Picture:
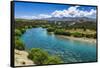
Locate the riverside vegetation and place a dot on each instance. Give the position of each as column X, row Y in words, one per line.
column 40, row 56
column 85, row 29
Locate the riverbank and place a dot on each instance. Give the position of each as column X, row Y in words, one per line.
column 78, row 39
column 21, row 58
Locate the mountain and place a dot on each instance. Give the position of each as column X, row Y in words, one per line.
column 75, row 19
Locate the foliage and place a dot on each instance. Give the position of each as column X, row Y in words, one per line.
column 16, row 37
column 61, row 29
column 19, row 44
column 62, row 32
column 95, row 36
column 40, row 56
column 90, row 35
column 68, row 33
column 50, row 29
column 77, row 34
column 18, row 32
column 23, row 30
column 53, row 60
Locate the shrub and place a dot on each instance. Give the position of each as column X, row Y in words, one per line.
column 19, row 44
column 68, row 33
column 34, row 26
column 62, row 32
column 50, row 29
column 30, row 26
column 95, row 36
column 45, row 26
column 18, row 32
column 53, row 60
column 59, row 31
column 77, row 34
column 16, row 37
column 39, row 56
column 91, row 36
column 26, row 27
column 23, row 30
column 88, row 35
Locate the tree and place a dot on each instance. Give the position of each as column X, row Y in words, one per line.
column 19, row 44
column 83, row 27
column 53, row 60
column 50, row 29
column 23, row 30
column 17, row 32
column 38, row 55
column 77, row 34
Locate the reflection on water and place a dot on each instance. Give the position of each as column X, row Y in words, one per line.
column 69, row 50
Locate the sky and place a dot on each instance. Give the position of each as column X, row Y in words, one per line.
column 33, row 10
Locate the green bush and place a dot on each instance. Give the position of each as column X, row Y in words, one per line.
column 62, row 32
column 30, row 26
column 77, row 34
column 68, row 33
column 18, row 32
column 17, row 37
column 45, row 26
column 19, row 44
column 39, row 56
column 59, row 31
column 50, row 29
column 34, row 26
column 95, row 36
column 23, row 30
column 53, row 60
column 26, row 27
column 91, row 36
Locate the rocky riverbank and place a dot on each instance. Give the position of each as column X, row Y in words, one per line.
column 21, row 58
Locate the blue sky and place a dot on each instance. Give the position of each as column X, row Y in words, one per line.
column 44, row 10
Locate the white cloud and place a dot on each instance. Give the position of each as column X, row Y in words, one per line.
column 59, row 13
column 74, row 12
column 66, row 13
column 91, row 13
column 35, row 17
column 27, row 17
column 43, row 16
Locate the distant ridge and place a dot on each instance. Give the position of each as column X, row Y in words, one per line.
column 68, row 19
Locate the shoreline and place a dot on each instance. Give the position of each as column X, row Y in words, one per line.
column 21, row 58
column 78, row 39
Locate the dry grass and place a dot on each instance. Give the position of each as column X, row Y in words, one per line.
column 81, row 31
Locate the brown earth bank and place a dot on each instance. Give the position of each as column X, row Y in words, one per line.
column 78, row 39
column 21, row 58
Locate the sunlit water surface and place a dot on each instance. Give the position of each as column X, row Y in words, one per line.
column 69, row 50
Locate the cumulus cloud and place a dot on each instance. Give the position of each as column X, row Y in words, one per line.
column 59, row 13
column 74, row 12
column 27, row 17
column 70, row 12
column 40, row 16
column 43, row 16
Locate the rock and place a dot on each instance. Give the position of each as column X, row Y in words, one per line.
column 21, row 58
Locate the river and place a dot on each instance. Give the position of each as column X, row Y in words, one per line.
column 69, row 50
